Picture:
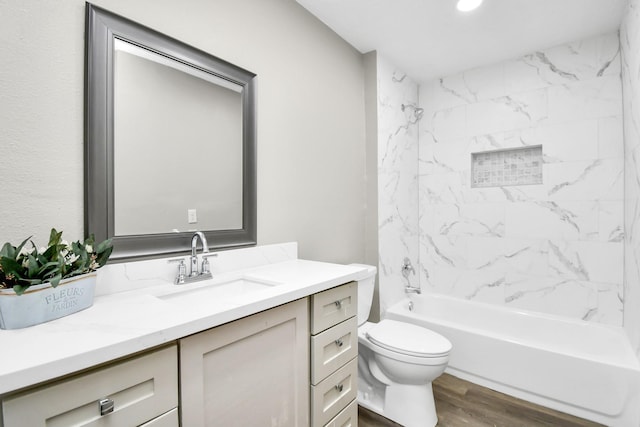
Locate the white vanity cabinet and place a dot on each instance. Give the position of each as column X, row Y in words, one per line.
column 250, row 372
column 334, row 357
column 140, row 391
column 292, row 365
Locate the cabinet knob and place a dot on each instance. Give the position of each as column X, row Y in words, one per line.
column 338, row 304
column 339, row 342
column 106, row 406
column 339, row 387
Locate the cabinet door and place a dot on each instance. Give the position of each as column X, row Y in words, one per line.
column 139, row 389
column 251, row 372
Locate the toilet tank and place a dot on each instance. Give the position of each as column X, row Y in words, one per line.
column 366, row 285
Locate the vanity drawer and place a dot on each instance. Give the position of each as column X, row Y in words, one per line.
column 348, row 417
column 333, row 348
column 170, row 419
column 333, row 306
column 141, row 389
column 333, row 394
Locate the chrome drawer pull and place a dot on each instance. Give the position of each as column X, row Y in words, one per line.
column 339, row 387
column 106, row 406
column 339, row 342
column 338, row 304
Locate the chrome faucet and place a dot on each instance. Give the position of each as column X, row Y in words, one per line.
column 406, row 269
column 194, row 251
column 194, row 275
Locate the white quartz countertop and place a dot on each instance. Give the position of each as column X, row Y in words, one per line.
column 124, row 323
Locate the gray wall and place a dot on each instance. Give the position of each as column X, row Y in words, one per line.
column 311, row 125
column 371, row 217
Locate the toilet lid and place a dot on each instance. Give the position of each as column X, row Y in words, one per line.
column 408, row 339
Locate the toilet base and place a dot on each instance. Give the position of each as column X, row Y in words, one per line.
column 410, row 405
column 420, row 412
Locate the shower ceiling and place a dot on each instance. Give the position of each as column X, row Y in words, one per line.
column 430, row 38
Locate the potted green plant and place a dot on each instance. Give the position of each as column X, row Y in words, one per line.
column 42, row 284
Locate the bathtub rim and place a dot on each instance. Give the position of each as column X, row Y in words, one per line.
column 630, row 361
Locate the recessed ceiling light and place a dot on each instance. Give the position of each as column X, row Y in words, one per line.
column 468, row 5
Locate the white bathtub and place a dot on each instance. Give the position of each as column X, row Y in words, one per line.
column 585, row 369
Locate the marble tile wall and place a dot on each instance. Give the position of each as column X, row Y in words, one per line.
column 397, row 180
column 630, row 52
column 556, row 247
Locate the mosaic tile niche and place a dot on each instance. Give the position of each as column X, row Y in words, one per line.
column 514, row 166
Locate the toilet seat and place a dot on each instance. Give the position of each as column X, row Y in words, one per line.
column 408, row 339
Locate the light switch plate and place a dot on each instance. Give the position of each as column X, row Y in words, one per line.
column 192, row 216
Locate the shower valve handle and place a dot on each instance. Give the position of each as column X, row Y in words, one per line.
column 407, row 268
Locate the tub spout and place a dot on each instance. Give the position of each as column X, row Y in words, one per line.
column 412, row 289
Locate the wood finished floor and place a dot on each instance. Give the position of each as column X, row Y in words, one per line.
column 460, row 403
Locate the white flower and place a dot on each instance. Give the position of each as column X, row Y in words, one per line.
column 25, row 251
column 71, row 259
column 89, row 248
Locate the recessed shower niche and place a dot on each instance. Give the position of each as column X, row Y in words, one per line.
column 512, row 166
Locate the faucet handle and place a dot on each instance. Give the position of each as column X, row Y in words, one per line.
column 407, row 268
column 205, row 263
column 182, row 271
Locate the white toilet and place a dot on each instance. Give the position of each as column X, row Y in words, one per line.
column 397, row 362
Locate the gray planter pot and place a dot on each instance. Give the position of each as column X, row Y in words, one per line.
column 42, row 303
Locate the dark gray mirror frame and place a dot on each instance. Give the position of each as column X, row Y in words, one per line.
column 101, row 29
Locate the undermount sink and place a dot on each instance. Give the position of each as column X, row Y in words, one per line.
column 214, row 290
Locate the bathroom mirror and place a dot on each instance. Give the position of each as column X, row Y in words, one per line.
column 169, row 142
